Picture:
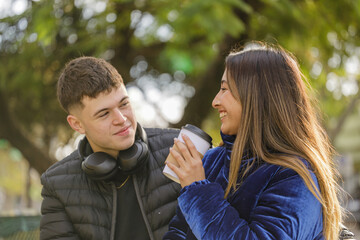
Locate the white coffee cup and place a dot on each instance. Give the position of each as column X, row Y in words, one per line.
column 199, row 138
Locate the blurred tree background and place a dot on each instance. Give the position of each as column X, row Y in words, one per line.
column 171, row 56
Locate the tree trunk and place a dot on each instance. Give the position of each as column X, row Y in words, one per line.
column 333, row 133
column 200, row 105
column 9, row 130
column 28, row 200
column 206, row 87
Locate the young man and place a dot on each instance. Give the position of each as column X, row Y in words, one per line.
column 112, row 186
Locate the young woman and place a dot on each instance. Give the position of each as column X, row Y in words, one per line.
column 273, row 176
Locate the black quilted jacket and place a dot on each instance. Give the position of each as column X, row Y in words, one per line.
column 76, row 207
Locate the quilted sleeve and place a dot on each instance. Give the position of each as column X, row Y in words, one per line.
column 54, row 222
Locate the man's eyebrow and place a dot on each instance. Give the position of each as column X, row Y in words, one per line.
column 104, row 109
column 124, row 98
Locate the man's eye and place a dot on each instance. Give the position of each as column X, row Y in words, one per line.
column 124, row 104
column 104, row 114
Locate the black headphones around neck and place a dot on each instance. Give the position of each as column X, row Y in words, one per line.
column 102, row 166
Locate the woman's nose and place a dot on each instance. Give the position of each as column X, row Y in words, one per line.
column 215, row 102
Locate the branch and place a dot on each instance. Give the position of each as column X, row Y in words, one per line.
column 10, row 131
column 350, row 108
column 199, row 106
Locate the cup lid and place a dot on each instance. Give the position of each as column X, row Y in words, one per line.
column 198, row 132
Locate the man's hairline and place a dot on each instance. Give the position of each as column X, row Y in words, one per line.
column 80, row 105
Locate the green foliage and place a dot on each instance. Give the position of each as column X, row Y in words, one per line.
column 347, row 143
column 57, row 31
column 197, row 25
column 44, row 29
column 314, row 31
column 12, row 170
column 182, row 35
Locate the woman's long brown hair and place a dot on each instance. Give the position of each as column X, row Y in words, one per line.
column 279, row 125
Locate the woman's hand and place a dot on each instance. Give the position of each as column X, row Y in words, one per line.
column 190, row 165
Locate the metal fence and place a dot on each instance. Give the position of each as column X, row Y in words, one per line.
column 19, row 228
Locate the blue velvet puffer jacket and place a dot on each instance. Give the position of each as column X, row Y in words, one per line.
column 272, row 203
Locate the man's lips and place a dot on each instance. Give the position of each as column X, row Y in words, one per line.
column 124, row 131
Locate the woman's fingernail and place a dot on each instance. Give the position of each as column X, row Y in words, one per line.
column 185, row 136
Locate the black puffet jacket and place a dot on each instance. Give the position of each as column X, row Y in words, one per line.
column 76, row 207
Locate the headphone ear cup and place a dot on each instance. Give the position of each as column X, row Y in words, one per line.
column 133, row 158
column 100, row 166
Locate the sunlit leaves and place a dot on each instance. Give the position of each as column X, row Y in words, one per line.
column 12, row 170
column 44, row 29
column 171, row 35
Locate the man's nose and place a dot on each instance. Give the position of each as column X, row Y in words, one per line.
column 119, row 117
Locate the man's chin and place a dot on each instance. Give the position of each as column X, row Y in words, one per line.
column 127, row 143
column 126, row 147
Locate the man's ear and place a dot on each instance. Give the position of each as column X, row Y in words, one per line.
column 75, row 124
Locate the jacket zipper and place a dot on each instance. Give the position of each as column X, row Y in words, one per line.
column 114, row 210
column 136, row 186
